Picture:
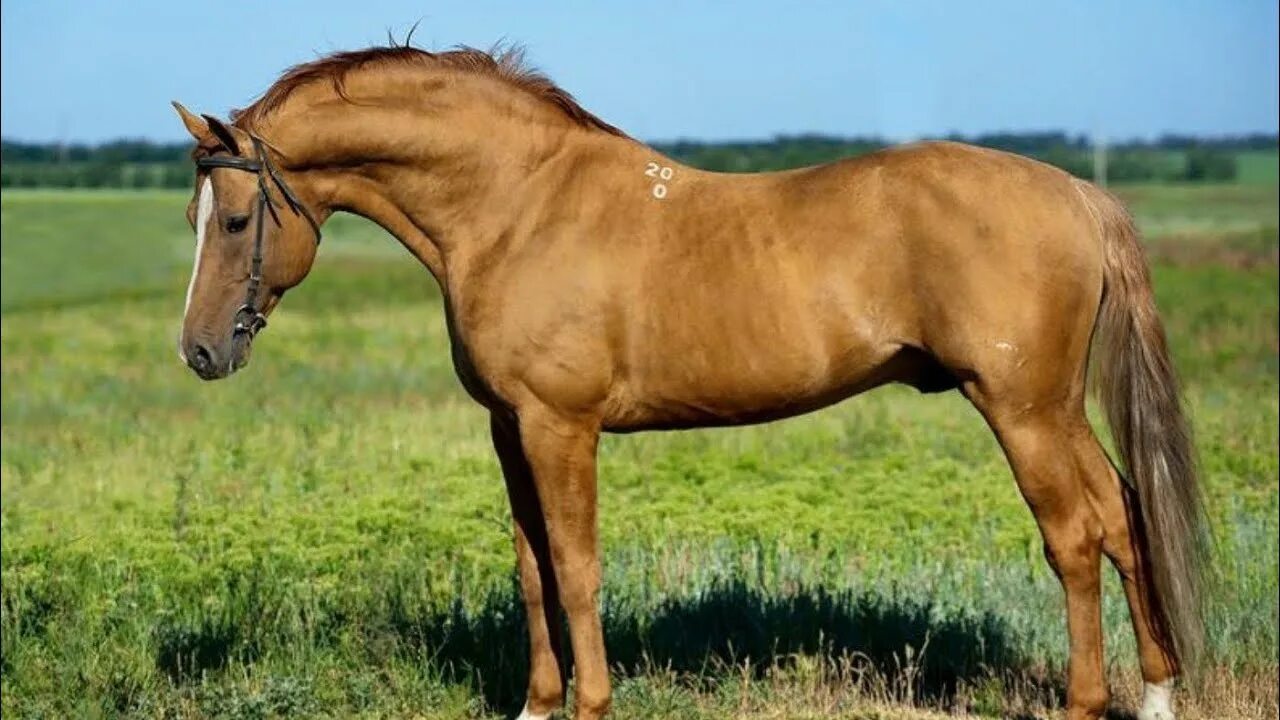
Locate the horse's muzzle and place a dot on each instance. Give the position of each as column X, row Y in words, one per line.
column 212, row 363
column 204, row 362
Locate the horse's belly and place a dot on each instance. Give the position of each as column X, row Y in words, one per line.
column 710, row 384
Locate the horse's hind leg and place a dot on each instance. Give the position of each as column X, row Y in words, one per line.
column 1117, row 506
column 1040, row 441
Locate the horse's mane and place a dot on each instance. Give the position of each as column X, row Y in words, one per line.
column 506, row 64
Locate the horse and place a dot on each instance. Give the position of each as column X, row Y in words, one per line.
column 593, row 285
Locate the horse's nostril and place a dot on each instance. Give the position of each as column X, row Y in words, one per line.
column 200, row 360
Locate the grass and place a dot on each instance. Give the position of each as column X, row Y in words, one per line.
column 1260, row 167
column 325, row 534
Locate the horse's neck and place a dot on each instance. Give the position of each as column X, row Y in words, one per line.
column 446, row 186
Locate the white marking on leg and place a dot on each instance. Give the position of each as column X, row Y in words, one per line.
column 204, row 213
column 526, row 715
column 1156, row 701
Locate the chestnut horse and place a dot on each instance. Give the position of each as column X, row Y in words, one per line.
column 591, row 285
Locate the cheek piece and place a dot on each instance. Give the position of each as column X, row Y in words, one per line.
column 249, row 318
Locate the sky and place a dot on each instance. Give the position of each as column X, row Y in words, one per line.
column 86, row 70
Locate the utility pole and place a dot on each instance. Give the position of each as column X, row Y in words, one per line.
column 1099, row 160
column 62, row 139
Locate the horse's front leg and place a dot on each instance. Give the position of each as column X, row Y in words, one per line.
column 537, row 579
column 561, row 452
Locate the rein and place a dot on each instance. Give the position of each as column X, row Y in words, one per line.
column 249, row 319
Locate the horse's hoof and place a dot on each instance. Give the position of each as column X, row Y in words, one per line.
column 526, row 715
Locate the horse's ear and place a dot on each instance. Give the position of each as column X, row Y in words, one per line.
column 223, row 133
column 198, row 128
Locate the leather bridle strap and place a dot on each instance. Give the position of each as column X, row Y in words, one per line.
column 249, row 319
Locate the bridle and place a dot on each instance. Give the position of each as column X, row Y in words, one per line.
column 249, row 319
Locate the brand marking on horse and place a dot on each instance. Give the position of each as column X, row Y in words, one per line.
column 661, row 172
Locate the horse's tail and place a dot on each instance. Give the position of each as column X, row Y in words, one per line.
column 1139, row 390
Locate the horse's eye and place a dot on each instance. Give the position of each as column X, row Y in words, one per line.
column 237, row 223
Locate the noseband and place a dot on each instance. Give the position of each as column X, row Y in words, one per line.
column 249, row 319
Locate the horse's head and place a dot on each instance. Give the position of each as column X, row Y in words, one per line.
column 255, row 238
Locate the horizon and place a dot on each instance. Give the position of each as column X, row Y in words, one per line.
column 667, row 74
column 1271, row 136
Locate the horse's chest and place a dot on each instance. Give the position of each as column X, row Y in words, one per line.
column 468, row 364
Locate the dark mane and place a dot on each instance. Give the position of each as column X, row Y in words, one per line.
column 506, row 64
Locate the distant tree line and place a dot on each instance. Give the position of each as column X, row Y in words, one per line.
column 1172, row 158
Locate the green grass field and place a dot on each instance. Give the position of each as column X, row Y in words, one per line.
column 325, row 534
column 1260, row 167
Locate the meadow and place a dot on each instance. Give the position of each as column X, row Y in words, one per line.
column 325, row 534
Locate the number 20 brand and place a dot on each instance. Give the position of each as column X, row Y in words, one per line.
column 660, row 172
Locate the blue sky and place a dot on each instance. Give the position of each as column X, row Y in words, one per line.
column 90, row 71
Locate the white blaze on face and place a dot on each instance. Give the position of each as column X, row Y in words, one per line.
column 204, row 213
